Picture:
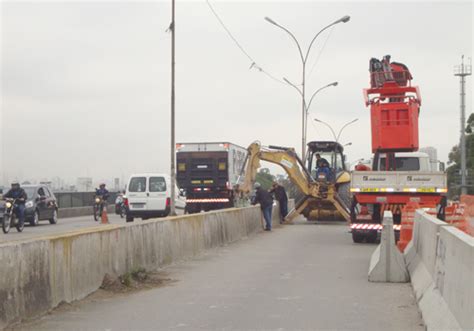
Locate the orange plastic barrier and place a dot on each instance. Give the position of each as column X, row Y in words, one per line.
column 455, row 215
column 406, row 231
column 468, row 201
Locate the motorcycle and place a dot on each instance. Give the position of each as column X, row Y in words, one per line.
column 10, row 218
column 99, row 204
column 121, row 207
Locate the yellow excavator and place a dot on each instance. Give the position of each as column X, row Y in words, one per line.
column 324, row 190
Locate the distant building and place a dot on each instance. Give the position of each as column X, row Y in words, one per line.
column 84, row 184
column 433, row 154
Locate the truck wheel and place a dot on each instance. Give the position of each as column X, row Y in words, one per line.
column 371, row 237
column 354, row 210
column 357, row 237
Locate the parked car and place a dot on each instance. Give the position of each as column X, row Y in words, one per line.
column 149, row 195
column 40, row 205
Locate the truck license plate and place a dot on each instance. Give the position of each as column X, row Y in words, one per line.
column 369, row 189
column 426, row 190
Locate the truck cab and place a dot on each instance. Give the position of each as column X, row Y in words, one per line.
column 409, row 161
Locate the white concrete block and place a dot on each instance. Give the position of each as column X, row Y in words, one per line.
column 454, row 274
column 387, row 263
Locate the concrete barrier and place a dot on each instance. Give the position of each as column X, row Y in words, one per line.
column 440, row 260
column 88, row 211
column 37, row 275
column 81, row 211
column 387, row 263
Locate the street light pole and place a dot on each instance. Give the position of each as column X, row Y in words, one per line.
column 462, row 71
column 309, row 105
column 330, row 128
column 173, row 143
column 304, row 59
column 336, row 137
column 343, row 127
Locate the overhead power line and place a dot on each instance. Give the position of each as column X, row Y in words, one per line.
column 253, row 62
column 321, row 51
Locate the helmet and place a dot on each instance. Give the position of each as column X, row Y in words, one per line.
column 15, row 184
column 256, row 185
column 102, row 185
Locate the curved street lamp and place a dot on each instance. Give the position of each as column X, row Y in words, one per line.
column 309, row 105
column 304, row 59
column 336, row 137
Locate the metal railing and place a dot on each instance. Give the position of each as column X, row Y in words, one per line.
column 79, row 199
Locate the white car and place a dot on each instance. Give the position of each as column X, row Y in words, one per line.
column 149, row 195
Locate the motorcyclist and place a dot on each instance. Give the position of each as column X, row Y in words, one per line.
column 19, row 194
column 102, row 192
column 119, row 202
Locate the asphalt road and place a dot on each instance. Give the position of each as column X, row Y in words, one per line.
column 304, row 276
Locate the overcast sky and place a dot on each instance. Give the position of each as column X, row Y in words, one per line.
column 85, row 86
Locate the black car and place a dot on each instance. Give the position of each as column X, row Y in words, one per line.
column 40, row 205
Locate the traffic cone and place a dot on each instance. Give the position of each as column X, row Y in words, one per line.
column 406, row 229
column 104, row 218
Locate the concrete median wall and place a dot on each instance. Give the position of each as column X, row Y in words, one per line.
column 88, row 211
column 37, row 275
column 81, row 211
column 440, row 260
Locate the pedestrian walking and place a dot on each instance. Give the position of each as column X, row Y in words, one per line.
column 264, row 198
column 280, row 195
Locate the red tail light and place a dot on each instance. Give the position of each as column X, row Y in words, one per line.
column 125, row 202
column 168, row 202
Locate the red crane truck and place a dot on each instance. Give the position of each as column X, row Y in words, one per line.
column 397, row 175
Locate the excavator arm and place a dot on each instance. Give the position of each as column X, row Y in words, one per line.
column 286, row 158
column 298, row 174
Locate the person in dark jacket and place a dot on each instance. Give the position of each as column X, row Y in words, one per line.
column 102, row 192
column 280, row 195
column 16, row 192
column 265, row 200
column 322, row 166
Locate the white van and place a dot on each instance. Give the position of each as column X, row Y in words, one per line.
column 149, row 195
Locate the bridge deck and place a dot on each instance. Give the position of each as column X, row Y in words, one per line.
column 304, row 276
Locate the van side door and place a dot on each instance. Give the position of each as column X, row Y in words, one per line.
column 157, row 193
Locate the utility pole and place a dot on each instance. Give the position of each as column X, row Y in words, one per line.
column 462, row 71
column 173, row 144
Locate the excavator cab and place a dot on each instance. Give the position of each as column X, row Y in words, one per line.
column 326, row 164
column 325, row 161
